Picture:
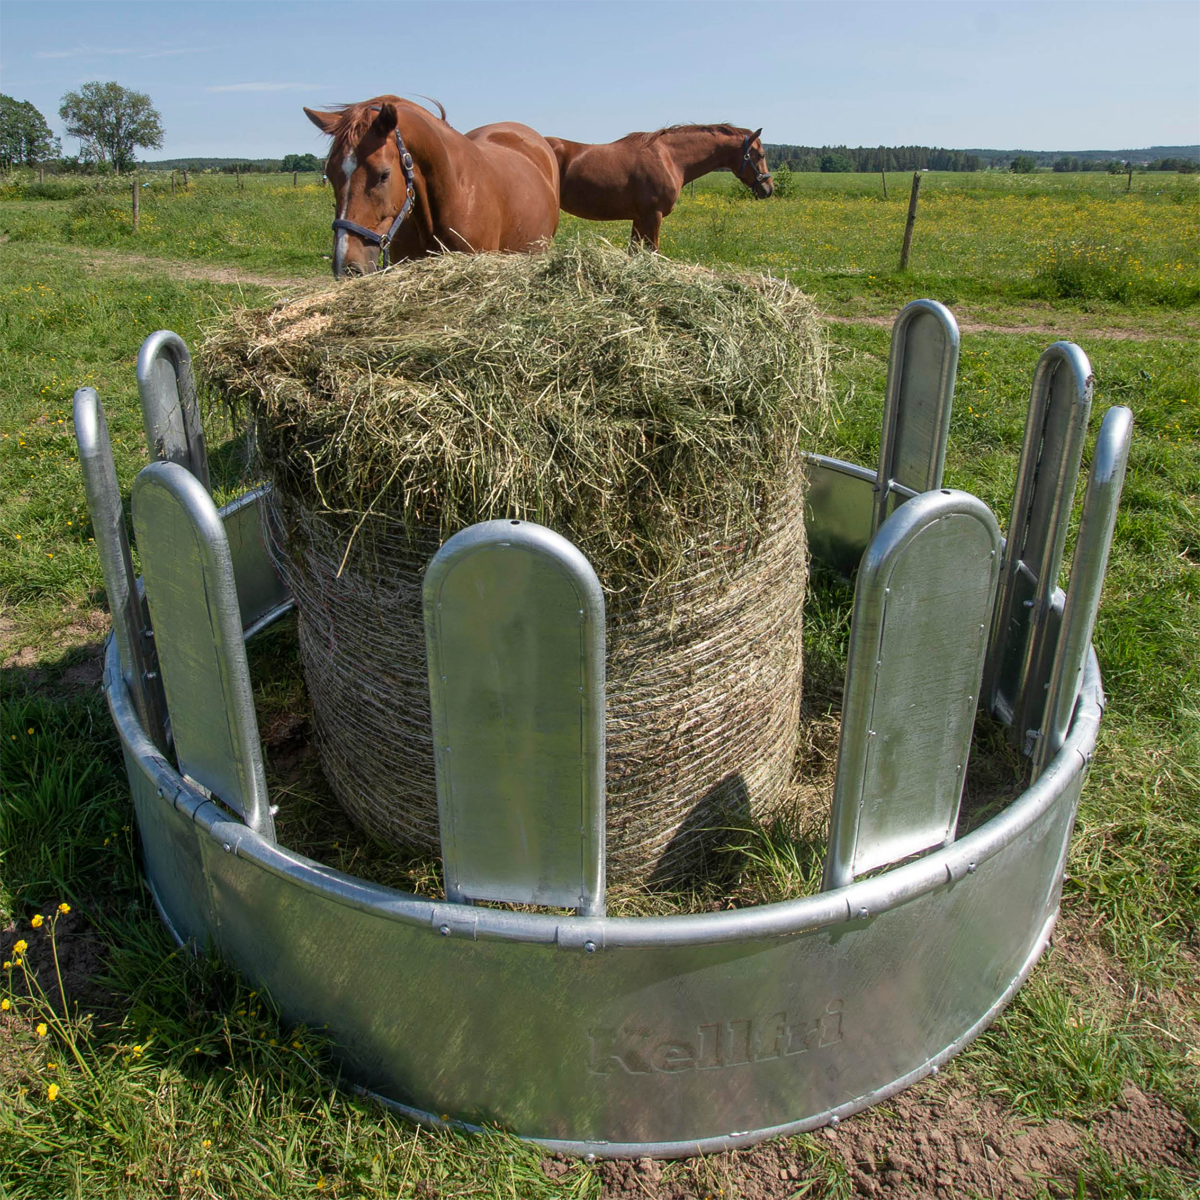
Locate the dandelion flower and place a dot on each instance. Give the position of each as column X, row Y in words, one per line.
column 52, row 1092
column 37, row 921
column 41, row 1029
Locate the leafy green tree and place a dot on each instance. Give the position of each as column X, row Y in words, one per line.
column 25, row 138
column 786, row 184
column 301, row 162
column 836, row 162
column 1023, row 164
column 111, row 121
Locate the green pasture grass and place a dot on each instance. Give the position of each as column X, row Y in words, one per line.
column 172, row 1085
column 265, row 224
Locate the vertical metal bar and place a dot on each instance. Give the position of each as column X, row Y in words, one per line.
column 192, row 596
column 1059, row 406
column 167, row 388
column 925, row 590
column 918, row 403
column 1087, row 580
column 514, row 629
column 134, row 639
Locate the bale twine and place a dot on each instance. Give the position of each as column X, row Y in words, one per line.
column 653, row 414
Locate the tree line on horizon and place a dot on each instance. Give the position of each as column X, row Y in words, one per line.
column 874, row 159
column 111, row 122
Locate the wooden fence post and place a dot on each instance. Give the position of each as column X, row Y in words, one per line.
column 237, row 170
column 912, row 220
column 172, row 183
column 136, row 202
column 1129, row 181
column 295, row 179
column 41, row 174
column 186, row 183
column 883, row 176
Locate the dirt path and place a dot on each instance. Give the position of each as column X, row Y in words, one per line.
column 96, row 260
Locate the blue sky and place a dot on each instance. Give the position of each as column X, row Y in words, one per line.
column 229, row 78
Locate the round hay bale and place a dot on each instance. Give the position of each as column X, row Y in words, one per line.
column 652, row 413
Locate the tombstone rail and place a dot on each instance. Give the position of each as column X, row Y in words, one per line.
column 621, row 1037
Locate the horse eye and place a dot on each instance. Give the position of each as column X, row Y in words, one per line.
column 384, row 175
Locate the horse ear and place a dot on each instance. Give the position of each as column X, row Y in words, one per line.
column 326, row 122
column 755, row 134
column 387, row 120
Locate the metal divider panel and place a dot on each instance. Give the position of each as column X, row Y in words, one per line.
column 1020, row 648
column 134, row 644
column 919, row 635
column 514, row 628
column 1087, row 579
column 190, row 588
column 919, row 399
column 262, row 593
column 170, row 413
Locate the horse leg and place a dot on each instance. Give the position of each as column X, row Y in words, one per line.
column 646, row 227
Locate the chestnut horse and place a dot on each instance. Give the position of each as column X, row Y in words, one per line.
column 639, row 178
column 406, row 184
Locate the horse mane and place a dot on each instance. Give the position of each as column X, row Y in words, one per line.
column 356, row 120
column 724, row 128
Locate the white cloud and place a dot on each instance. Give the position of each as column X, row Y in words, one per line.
column 263, row 87
column 112, row 51
column 81, row 51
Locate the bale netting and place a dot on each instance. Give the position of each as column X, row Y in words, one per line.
column 652, row 413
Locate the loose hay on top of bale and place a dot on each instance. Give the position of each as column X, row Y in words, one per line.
column 652, row 413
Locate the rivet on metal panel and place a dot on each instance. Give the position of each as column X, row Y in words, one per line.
column 444, row 930
column 590, row 947
column 589, row 1158
column 934, row 1069
column 227, row 848
column 835, row 1119
column 863, row 914
column 160, row 793
column 971, row 868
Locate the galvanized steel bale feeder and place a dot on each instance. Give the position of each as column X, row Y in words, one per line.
column 661, row 1036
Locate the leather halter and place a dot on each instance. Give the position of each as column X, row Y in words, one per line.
column 759, row 176
column 384, row 241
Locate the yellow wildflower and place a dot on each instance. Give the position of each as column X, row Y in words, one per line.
column 5, row 1005
column 37, row 921
column 41, row 1029
column 64, row 909
column 21, row 947
column 52, row 1092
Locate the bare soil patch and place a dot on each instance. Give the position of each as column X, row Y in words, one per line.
column 63, row 664
column 81, row 953
column 925, row 1143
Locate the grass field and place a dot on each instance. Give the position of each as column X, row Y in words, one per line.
column 164, row 1075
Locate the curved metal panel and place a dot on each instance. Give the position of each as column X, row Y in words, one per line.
column 514, row 628
column 1022, row 639
column 1087, row 579
column 192, row 596
column 663, row 1044
column 916, row 410
column 170, row 413
column 262, row 594
column 918, row 638
column 103, row 493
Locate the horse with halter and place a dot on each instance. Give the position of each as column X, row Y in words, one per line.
column 639, row 177
column 406, row 185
